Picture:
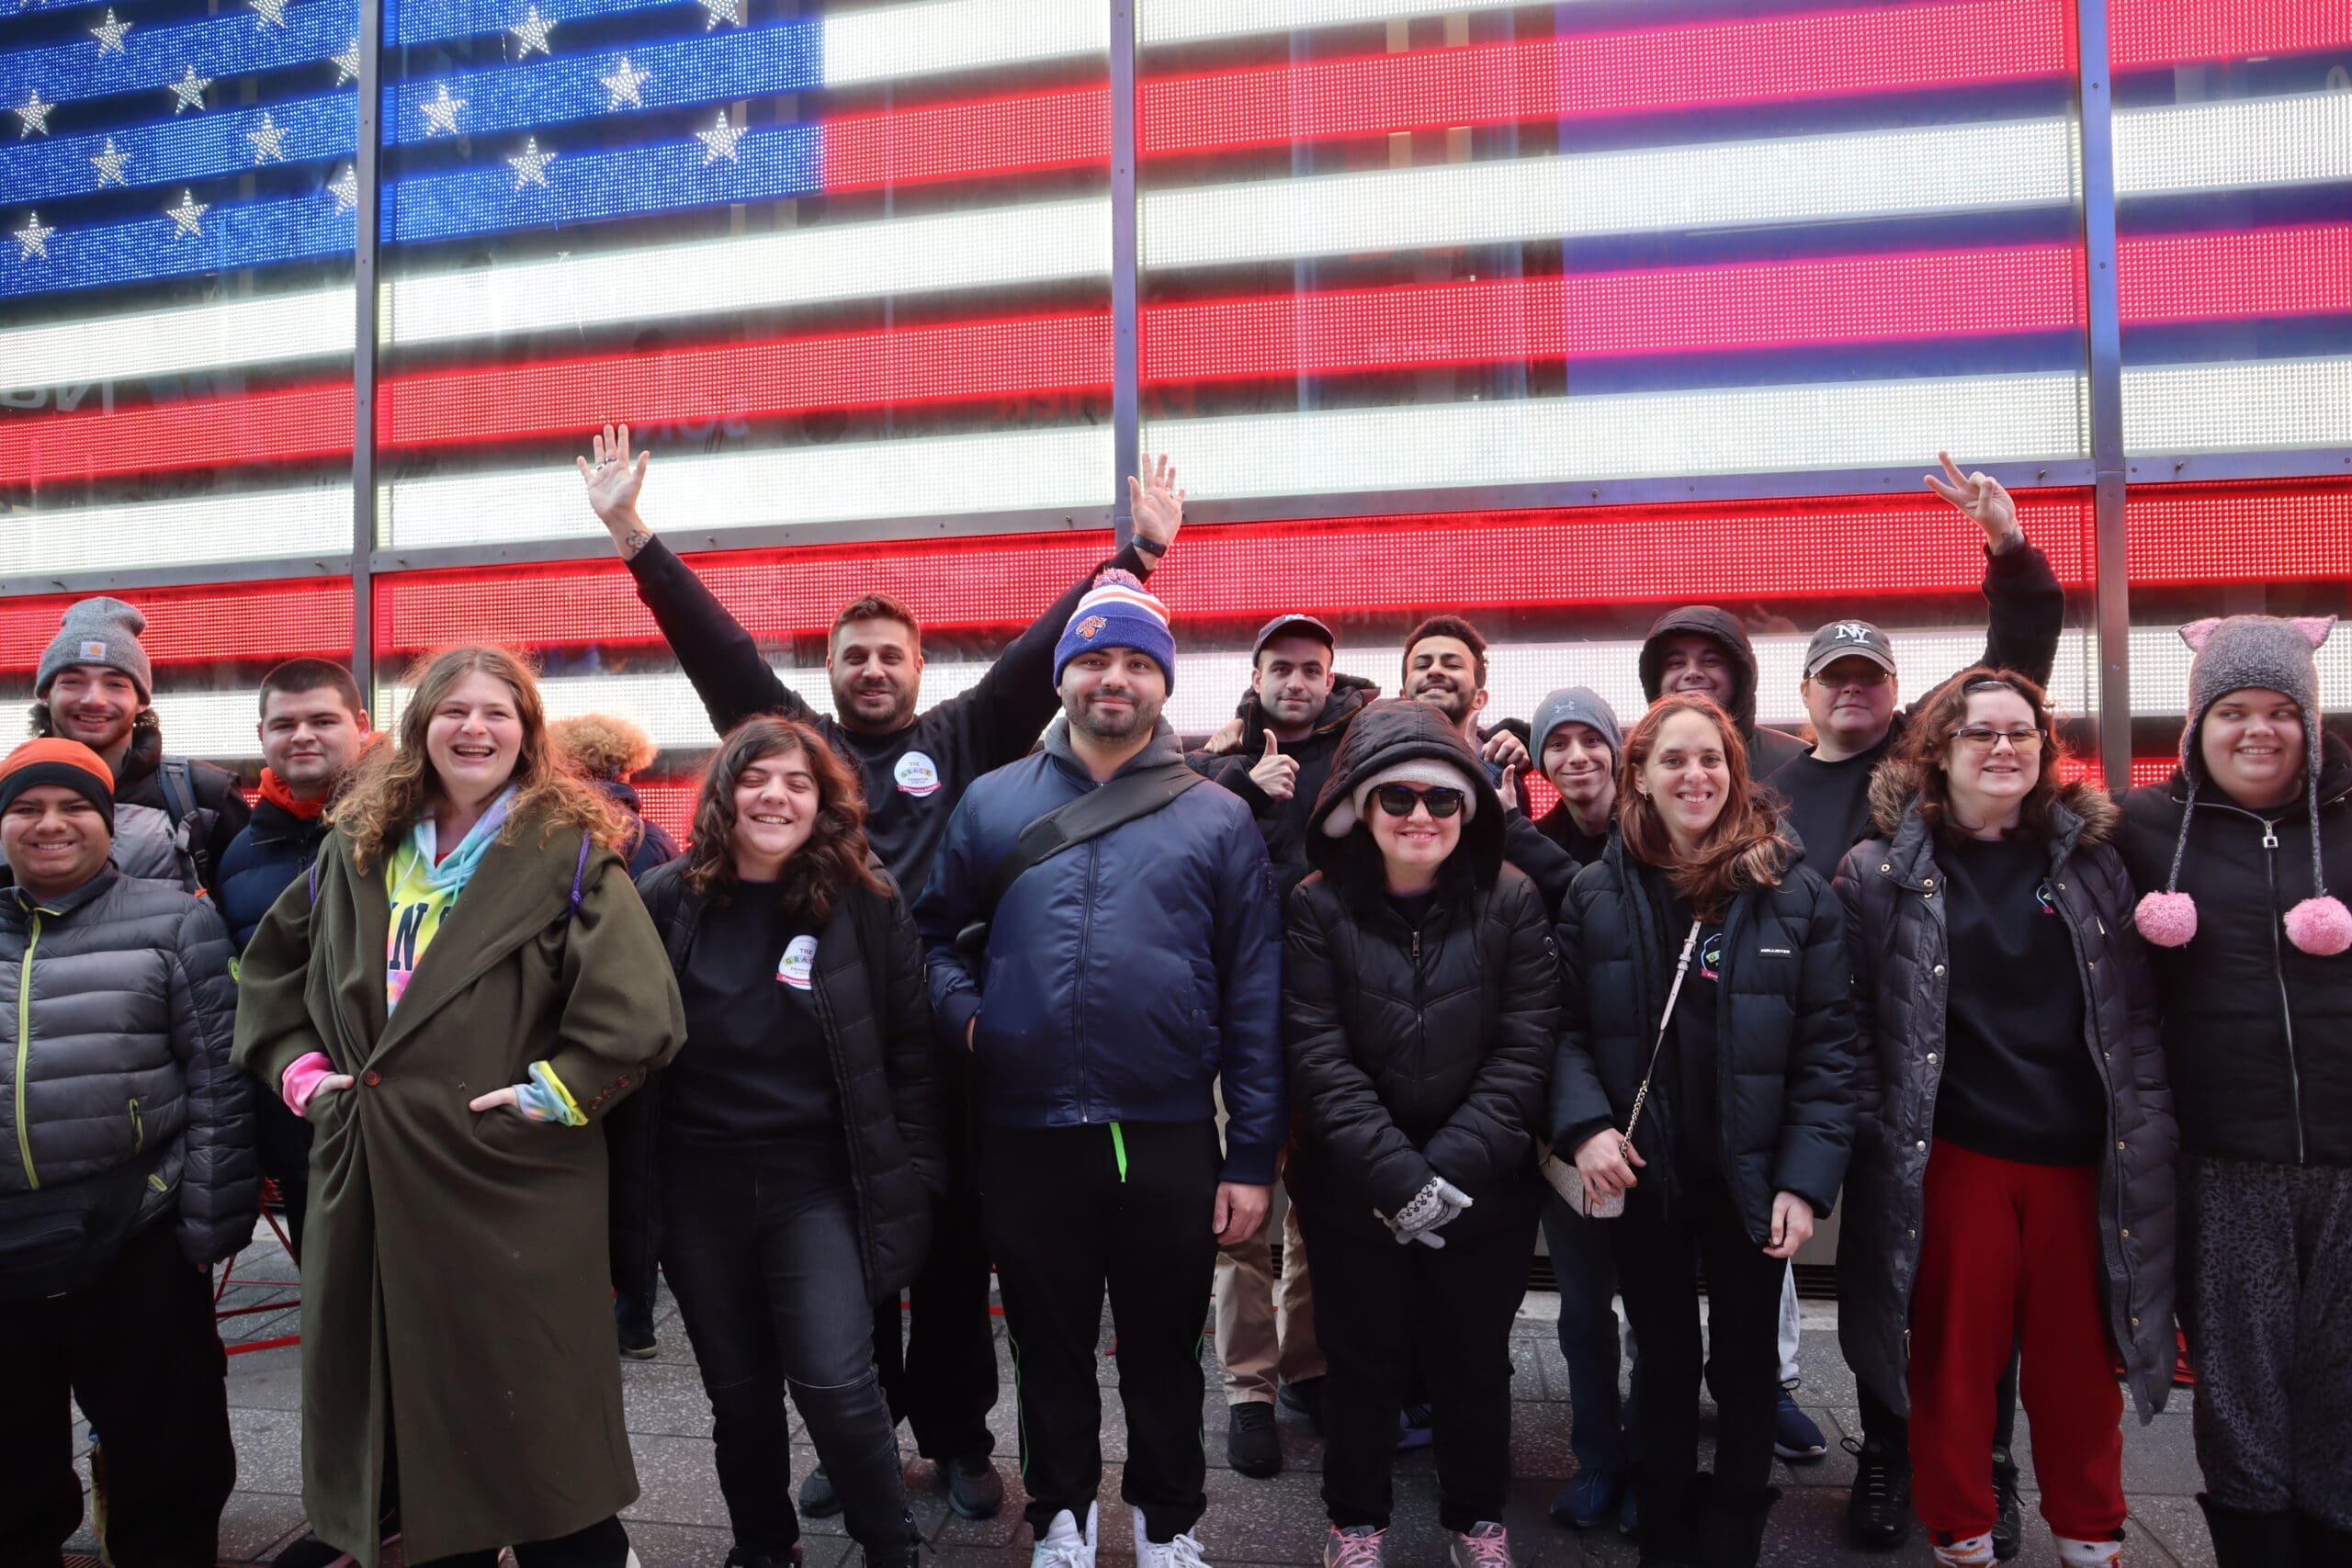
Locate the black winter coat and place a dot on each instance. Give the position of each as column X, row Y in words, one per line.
column 869, row 990
column 1283, row 823
column 261, row 862
column 2257, row 1033
column 1785, row 1033
column 1415, row 1053
column 1895, row 937
column 1767, row 749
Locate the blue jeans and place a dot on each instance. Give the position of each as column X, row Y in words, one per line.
column 767, row 1267
column 1586, row 1267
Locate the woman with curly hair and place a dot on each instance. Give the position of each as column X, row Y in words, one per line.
column 2012, row 1180
column 798, row 1138
column 1705, row 1086
column 463, row 986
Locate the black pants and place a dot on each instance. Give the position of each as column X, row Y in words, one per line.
column 1660, row 1246
column 283, row 1141
column 942, row 1382
column 767, row 1267
column 604, row 1544
column 1880, row 1425
column 138, row 1348
column 1381, row 1312
column 1071, row 1212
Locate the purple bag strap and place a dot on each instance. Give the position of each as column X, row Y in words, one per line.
column 314, row 881
column 578, row 873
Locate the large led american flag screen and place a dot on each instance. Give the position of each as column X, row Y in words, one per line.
column 849, row 266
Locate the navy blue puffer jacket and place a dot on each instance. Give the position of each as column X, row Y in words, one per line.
column 1125, row 977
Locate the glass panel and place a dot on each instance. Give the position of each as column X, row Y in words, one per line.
column 835, row 264
column 2234, row 181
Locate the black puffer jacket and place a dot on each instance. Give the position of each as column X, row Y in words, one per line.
column 1767, row 749
column 1283, row 823
column 1896, row 935
column 869, row 988
column 119, row 1010
column 1785, row 1027
column 2257, row 1033
column 1415, row 1053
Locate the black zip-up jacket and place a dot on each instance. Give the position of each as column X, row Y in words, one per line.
column 1414, row 1052
column 1283, row 823
column 2257, row 1033
column 274, row 849
column 1785, row 1033
column 914, row 776
column 868, row 984
column 1767, row 748
column 1894, row 898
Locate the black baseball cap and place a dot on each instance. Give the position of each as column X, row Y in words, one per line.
column 1848, row 640
column 1304, row 624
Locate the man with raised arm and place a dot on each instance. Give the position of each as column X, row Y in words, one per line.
column 915, row 767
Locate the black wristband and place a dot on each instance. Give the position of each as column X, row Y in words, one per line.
column 1146, row 546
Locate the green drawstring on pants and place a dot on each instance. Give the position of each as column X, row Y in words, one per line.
column 1119, row 1147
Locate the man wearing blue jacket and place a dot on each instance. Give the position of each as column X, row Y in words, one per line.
column 1123, row 981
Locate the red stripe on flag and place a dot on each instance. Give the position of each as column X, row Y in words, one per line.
column 2162, row 32
column 252, row 623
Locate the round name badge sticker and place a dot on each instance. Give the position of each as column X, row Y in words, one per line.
column 916, row 775
column 800, row 962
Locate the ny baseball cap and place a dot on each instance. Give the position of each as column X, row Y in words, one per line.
column 1304, row 624
column 1848, row 640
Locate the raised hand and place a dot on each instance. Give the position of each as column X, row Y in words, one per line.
column 1980, row 496
column 1157, row 506
column 1506, row 749
column 1275, row 774
column 1228, row 739
column 613, row 482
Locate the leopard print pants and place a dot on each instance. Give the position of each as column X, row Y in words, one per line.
column 2267, row 1299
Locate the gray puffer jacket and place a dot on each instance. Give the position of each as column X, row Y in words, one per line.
column 1896, row 939
column 124, row 1051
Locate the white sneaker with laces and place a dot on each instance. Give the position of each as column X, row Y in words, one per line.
column 1181, row 1552
column 1358, row 1546
column 1062, row 1546
column 1483, row 1545
column 2076, row 1553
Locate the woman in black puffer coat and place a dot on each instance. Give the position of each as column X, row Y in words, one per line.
column 1420, row 1008
column 800, row 1134
column 2012, row 1179
column 1743, row 1131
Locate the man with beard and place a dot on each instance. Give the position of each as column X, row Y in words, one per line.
column 1121, row 984
column 1301, row 707
column 915, row 767
column 173, row 818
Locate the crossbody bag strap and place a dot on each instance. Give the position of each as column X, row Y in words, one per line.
column 1674, row 993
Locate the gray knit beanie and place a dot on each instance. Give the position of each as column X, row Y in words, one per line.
column 1578, row 704
column 2241, row 653
column 102, row 632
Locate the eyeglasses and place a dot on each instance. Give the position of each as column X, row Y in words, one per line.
column 1983, row 737
column 1398, row 800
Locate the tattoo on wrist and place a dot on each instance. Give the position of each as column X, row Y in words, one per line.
column 635, row 540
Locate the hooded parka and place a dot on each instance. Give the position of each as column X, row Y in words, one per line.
column 1283, row 823
column 1785, row 1033
column 1767, row 749
column 1896, row 942
column 456, row 1293
column 1416, row 1051
column 869, row 987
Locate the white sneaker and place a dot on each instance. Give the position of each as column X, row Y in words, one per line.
column 1062, row 1546
column 1181, row 1552
column 2076, row 1553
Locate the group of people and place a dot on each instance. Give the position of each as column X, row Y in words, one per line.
column 926, row 1000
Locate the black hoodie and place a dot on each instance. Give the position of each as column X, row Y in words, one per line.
column 1767, row 748
column 1283, row 823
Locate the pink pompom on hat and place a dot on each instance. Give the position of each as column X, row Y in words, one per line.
column 2237, row 654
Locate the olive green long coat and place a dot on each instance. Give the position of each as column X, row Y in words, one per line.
column 456, row 1297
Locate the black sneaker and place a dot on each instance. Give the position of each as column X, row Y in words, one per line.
column 1303, row 1397
column 639, row 1346
column 818, row 1498
column 974, row 1490
column 1251, row 1445
column 2008, row 1528
column 1878, row 1510
column 312, row 1552
column 739, row 1558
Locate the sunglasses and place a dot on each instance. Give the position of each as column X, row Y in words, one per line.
column 1398, row 800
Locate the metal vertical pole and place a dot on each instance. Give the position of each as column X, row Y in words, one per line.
column 2104, row 318
column 366, row 175
column 1125, row 390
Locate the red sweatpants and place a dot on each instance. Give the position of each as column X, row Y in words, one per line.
column 2012, row 1255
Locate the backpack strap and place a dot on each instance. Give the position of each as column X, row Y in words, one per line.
column 175, row 778
column 579, row 873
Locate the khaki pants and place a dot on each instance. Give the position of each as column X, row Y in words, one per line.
column 1265, row 1328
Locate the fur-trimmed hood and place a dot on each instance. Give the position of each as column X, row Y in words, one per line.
column 1895, row 790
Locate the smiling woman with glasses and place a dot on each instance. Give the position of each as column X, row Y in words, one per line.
column 2012, row 1179
column 1420, row 1003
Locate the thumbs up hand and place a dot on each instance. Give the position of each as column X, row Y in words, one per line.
column 1275, row 774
